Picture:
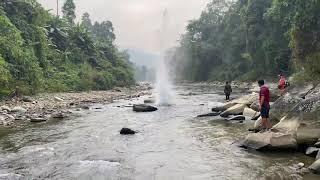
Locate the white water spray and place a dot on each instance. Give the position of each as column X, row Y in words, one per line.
column 163, row 89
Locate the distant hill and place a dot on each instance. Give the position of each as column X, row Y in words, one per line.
column 143, row 58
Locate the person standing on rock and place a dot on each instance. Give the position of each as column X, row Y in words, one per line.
column 264, row 105
column 282, row 84
column 227, row 90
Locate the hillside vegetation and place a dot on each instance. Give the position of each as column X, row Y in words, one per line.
column 250, row 39
column 42, row 52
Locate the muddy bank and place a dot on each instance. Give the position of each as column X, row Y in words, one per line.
column 60, row 105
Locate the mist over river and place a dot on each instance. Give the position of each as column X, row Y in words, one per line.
column 171, row 144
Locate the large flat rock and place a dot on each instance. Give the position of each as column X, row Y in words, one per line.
column 234, row 110
column 270, row 141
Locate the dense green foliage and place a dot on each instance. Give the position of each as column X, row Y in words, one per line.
column 41, row 52
column 250, row 39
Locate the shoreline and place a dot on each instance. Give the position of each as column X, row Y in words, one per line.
column 45, row 106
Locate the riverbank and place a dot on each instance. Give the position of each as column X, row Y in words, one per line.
column 42, row 107
column 295, row 119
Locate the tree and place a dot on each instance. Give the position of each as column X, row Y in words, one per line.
column 68, row 11
column 86, row 21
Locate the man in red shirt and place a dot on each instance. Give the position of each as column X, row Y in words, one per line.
column 282, row 84
column 264, row 105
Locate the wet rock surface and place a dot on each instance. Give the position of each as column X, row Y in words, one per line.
column 144, row 108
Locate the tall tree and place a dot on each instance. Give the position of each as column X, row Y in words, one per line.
column 68, row 11
column 86, row 21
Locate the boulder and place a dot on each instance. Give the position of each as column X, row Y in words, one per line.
column 143, row 108
column 223, row 108
column 58, row 115
column 283, row 105
column 318, row 156
column 270, row 141
column 127, row 131
column 308, row 135
column 237, row 118
column 6, row 108
column 257, row 123
column 250, row 113
column 255, row 106
column 312, row 151
column 38, row 119
column 247, row 99
column 149, row 101
column 27, row 99
column 234, row 110
column 19, row 109
column 209, row 114
column 317, row 144
column 315, row 167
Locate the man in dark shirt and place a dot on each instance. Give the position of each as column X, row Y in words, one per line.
column 264, row 104
column 227, row 90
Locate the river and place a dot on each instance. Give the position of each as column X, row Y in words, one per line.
column 171, row 144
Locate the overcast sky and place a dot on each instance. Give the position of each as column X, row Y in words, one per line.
column 138, row 22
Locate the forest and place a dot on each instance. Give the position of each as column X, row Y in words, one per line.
column 43, row 52
column 251, row 39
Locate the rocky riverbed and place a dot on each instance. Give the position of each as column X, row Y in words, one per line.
column 42, row 107
column 295, row 117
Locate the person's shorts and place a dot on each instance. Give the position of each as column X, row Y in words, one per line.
column 265, row 112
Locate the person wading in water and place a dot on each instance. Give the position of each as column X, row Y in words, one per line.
column 227, row 90
column 264, row 105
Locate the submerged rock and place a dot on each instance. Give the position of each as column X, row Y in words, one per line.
column 58, row 115
column 234, row 110
column 143, row 108
column 315, row 167
column 209, row 114
column 270, row 141
column 127, row 131
column 237, row 118
column 37, row 120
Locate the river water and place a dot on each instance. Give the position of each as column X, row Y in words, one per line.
column 171, row 144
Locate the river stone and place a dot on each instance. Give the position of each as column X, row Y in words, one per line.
column 127, row 131
column 209, row 114
column 223, row 108
column 234, row 110
column 19, row 109
column 143, row 108
column 307, row 135
column 247, row 99
column 37, row 120
column 7, row 108
column 312, row 151
column 250, row 113
column 317, row 144
column 270, row 141
column 315, row 167
column 58, row 99
column 255, row 106
column 318, row 156
column 149, row 101
column 27, row 99
column 237, row 118
column 58, row 115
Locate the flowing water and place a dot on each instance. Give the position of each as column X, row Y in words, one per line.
column 171, row 144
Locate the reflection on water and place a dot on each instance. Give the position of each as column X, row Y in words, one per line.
column 172, row 144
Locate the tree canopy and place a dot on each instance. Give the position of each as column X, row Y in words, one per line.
column 250, row 39
column 42, row 52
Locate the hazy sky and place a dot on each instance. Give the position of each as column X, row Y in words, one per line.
column 138, row 22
